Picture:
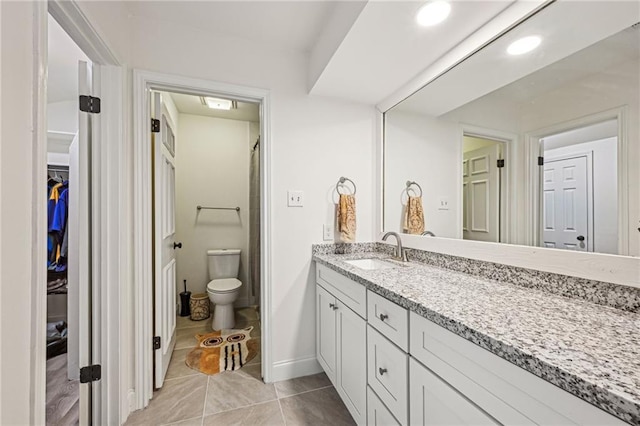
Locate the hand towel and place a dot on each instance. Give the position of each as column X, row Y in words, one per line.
column 346, row 212
column 414, row 217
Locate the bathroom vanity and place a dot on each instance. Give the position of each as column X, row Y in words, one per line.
column 413, row 343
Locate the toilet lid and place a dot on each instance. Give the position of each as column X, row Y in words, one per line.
column 224, row 285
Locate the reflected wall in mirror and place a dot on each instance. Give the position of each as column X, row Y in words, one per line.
column 538, row 149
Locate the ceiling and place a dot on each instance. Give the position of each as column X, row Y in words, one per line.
column 64, row 54
column 566, row 54
column 385, row 47
column 190, row 104
column 292, row 25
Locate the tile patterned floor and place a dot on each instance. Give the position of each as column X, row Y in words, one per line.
column 239, row 397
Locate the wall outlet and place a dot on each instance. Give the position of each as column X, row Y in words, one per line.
column 327, row 232
column 444, row 203
column 295, row 198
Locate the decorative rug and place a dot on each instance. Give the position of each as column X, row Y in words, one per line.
column 224, row 350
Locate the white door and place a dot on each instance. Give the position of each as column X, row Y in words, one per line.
column 326, row 332
column 352, row 362
column 434, row 402
column 164, row 177
column 565, row 204
column 481, row 194
column 84, row 293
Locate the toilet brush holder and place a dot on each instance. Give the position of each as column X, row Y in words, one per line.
column 185, row 308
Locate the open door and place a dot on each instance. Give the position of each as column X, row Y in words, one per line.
column 481, row 194
column 82, row 269
column 164, row 178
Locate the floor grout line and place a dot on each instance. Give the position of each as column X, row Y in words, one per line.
column 206, row 396
column 307, row 391
column 244, row 406
column 284, row 419
column 179, row 421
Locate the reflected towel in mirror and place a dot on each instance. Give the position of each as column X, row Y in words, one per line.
column 346, row 212
column 414, row 216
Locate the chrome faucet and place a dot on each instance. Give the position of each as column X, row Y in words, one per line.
column 400, row 252
column 428, row 233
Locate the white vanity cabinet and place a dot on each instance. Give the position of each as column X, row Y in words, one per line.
column 341, row 343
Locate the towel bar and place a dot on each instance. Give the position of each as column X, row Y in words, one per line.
column 341, row 181
column 218, row 208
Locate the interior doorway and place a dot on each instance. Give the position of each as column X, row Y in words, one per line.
column 483, row 186
column 209, row 205
column 579, row 189
column 206, row 224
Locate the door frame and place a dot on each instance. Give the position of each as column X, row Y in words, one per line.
column 143, row 83
column 533, row 202
column 107, row 322
column 590, row 225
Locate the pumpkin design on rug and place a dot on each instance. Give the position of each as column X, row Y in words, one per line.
column 223, row 350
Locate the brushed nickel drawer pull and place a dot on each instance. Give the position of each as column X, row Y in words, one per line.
column 382, row 370
column 383, row 317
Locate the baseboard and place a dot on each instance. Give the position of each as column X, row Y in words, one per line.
column 290, row 369
column 131, row 400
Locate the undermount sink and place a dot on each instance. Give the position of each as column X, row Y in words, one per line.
column 371, row 264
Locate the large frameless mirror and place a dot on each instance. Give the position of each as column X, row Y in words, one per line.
column 534, row 139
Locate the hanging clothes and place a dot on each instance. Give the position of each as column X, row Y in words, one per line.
column 57, row 215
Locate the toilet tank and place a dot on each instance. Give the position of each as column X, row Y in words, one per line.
column 224, row 263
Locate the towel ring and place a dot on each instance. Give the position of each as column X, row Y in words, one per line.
column 341, row 181
column 410, row 182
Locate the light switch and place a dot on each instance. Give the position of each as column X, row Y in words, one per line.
column 295, row 198
column 444, row 203
column 327, row 232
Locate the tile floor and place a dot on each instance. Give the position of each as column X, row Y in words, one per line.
column 239, row 397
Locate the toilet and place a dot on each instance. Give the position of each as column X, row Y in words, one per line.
column 224, row 287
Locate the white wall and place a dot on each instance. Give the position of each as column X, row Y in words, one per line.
column 605, row 189
column 212, row 169
column 17, row 221
column 62, row 116
column 314, row 141
column 425, row 150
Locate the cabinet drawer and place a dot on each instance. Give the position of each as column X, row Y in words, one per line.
column 387, row 373
column 389, row 319
column 508, row 393
column 349, row 292
column 434, row 402
column 377, row 413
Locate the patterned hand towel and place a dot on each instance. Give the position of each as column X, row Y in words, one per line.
column 414, row 218
column 346, row 212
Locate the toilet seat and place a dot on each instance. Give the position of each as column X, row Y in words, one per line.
column 224, row 285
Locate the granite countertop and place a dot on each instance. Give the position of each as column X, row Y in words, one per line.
column 589, row 350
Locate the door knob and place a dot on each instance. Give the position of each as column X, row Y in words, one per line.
column 177, row 245
column 580, row 237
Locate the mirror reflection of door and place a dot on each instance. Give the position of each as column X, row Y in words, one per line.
column 481, row 188
column 579, row 197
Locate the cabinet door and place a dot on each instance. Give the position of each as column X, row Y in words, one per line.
column 326, row 332
column 434, row 402
column 351, row 380
column 377, row 413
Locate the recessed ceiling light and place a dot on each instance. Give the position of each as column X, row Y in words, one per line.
column 433, row 13
column 524, row 45
column 216, row 103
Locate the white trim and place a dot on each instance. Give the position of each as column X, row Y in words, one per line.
column 71, row 18
column 284, row 370
column 143, row 82
column 533, row 202
column 39, row 219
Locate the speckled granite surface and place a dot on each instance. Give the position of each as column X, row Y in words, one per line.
column 590, row 350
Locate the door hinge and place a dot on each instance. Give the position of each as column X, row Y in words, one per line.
column 500, row 163
column 540, row 161
column 90, row 373
column 157, row 343
column 89, row 104
column 155, row 125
